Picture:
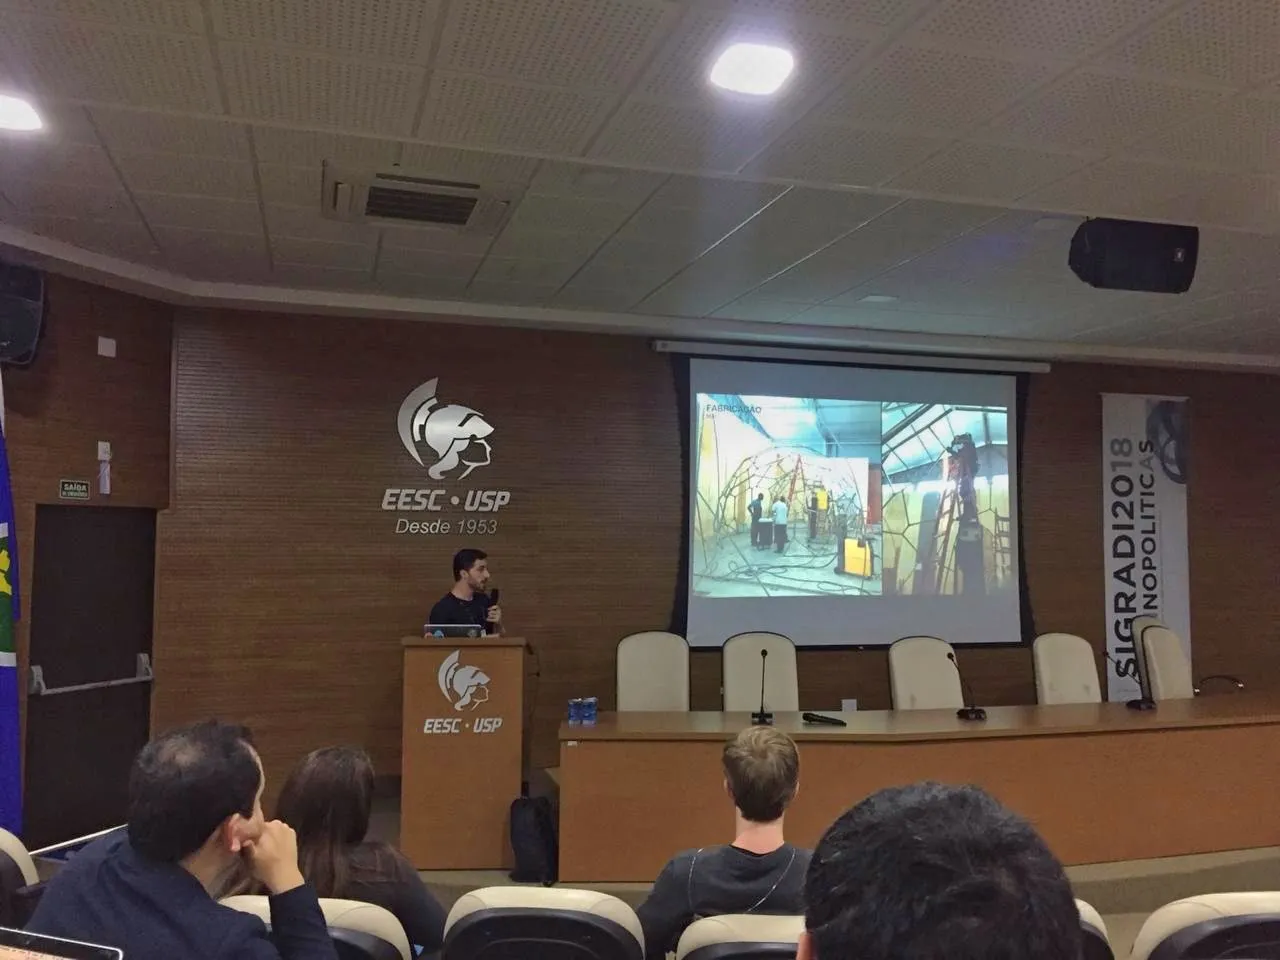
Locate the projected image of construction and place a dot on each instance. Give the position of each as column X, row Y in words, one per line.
column 786, row 497
column 946, row 500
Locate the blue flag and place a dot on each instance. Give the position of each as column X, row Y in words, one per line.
column 10, row 738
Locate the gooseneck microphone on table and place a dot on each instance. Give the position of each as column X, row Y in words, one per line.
column 1143, row 701
column 970, row 710
column 762, row 717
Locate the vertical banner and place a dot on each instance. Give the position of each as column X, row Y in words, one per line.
column 10, row 739
column 1144, row 522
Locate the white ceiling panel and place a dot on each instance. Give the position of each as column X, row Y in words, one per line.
column 1116, row 188
column 760, row 309
column 310, row 148
column 309, row 276
column 396, row 30
column 101, row 201
column 111, row 237
column 545, row 245
column 218, row 253
column 860, row 14
column 575, row 297
column 633, row 265
column 740, row 197
column 678, row 73
column 417, row 285
column 196, row 176
column 442, row 265
column 585, row 44
column 291, row 186
column 1243, row 135
column 524, row 272
column 305, row 223
column 685, row 137
column 943, row 324
column 595, row 183
column 1234, row 42
column 829, row 153
column 988, row 171
column 200, row 213
column 445, row 239
column 934, row 91
column 136, row 131
column 51, row 162
column 90, row 62
column 65, row 123
column 268, row 83
column 475, row 111
column 181, row 16
column 1101, row 111
column 570, row 214
column 515, row 293
column 472, row 166
column 1052, row 27
column 323, row 253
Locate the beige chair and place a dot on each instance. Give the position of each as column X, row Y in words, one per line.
column 740, row 661
column 1097, row 942
column 741, row 937
column 1168, row 667
column 503, row 922
column 358, row 930
column 653, row 672
column 1066, row 671
column 19, row 881
column 922, row 676
column 1212, row 925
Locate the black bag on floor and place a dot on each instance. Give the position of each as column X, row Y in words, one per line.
column 533, row 840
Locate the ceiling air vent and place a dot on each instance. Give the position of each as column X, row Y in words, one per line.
column 404, row 199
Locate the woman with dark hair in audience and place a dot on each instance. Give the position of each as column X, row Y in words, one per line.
column 327, row 800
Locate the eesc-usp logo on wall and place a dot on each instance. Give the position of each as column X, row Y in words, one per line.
column 451, row 441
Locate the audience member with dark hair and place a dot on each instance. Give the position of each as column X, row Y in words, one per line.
column 327, row 800
column 195, row 808
column 933, row 872
column 759, row 872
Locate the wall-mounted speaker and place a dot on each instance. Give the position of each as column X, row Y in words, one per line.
column 21, row 313
column 1130, row 255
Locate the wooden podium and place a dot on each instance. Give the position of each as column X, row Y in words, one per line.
column 462, row 744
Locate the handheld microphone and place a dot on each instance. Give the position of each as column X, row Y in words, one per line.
column 491, row 628
column 1143, row 702
column 970, row 710
column 762, row 717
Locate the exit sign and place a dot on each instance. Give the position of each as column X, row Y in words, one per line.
column 73, row 489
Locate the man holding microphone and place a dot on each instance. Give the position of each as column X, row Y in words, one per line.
column 467, row 604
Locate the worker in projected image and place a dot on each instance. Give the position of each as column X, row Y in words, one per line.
column 780, row 524
column 756, row 509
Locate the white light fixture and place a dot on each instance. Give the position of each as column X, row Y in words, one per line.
column 17, row 114
column 877, row 298
column 755, row 69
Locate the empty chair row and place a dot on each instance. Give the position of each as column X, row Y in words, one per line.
column 653, row 671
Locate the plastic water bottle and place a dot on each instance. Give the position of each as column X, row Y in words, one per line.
column 575, row 712
column 589, row 705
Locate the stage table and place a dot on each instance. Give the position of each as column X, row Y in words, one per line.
column 1100, row 781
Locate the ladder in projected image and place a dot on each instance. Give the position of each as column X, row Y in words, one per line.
column 944, row 520
column 1004, row 548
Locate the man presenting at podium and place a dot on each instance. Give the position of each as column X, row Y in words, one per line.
column 467, row 604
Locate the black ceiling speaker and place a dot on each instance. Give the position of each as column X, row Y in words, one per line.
column 1130, row 255
column 21, row 313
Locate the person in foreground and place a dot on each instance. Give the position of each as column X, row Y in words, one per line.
column 467, row 604
column 933, row 872
column 759, row 872
column 327, row 800
column 195, row 809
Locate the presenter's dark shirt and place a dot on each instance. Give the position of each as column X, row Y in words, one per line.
column 111, row 895
column 452, row 611
column 714, row 881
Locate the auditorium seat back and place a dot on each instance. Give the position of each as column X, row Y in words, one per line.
column 1138, row 626
column 741, row 937
column 921, row 677
column 740, row 662
column 653, row 672
column 1168, row 668
column 1245, row 925
column 1066, row 671
column 559, row 923
column 19, row 881
column 360, row 931
column 1097, row 943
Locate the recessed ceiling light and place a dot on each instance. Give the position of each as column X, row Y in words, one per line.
column 877, row 298
column 753, row 68
column 17, row 114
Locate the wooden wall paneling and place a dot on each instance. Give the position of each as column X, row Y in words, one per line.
column 57, row 410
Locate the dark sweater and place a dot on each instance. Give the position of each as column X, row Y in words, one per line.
column 109, row 894
column 381, row 875
column 713, row 881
